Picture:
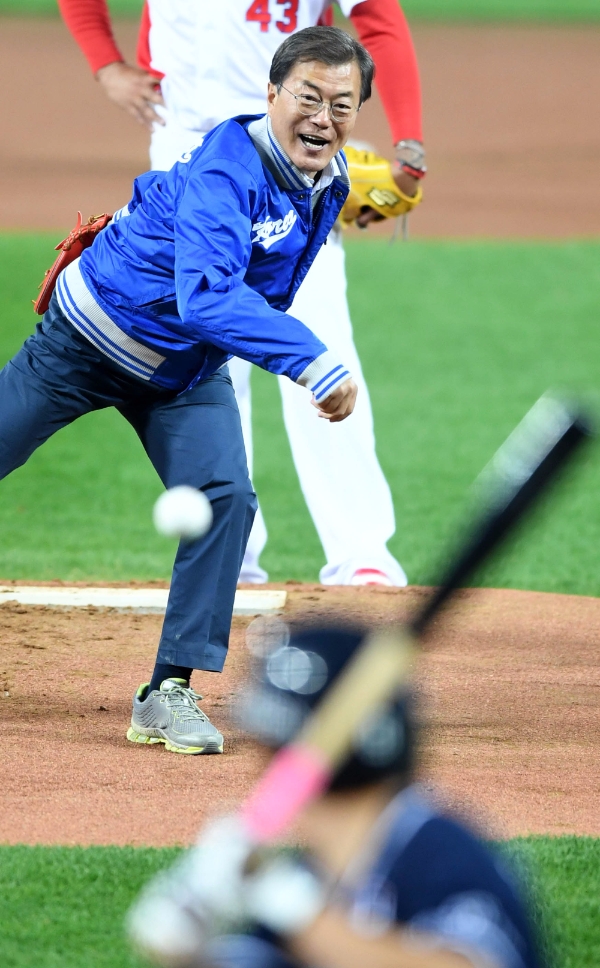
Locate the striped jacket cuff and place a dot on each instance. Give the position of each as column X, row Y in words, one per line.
column 323, row 375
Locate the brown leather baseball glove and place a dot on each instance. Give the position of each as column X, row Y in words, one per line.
column 70, row 248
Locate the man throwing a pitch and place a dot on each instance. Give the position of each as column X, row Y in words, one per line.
column 202, row 264
column 212, row 61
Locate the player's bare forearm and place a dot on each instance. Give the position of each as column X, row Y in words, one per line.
column 339, row 404
column 132, row 89
column 330, row 942
column 406, row 183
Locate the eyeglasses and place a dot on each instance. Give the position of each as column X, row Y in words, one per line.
column 311, row 104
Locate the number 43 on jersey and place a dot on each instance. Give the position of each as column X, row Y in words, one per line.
column 258, row 11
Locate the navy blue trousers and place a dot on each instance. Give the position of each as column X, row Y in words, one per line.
column 194, row 438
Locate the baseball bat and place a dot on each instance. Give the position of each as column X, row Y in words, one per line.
column 521, row 470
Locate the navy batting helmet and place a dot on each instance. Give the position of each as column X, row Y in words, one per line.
column 292, row 680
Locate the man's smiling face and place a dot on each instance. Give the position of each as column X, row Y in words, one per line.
column 311, row 142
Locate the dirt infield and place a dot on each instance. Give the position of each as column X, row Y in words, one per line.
column 511, row 704
column 508, row 118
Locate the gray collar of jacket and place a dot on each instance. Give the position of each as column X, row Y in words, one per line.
column 285, row 172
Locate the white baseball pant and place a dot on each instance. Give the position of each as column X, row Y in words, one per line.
column 342, row 482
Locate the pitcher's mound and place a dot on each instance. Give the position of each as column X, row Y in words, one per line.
column 510, row 699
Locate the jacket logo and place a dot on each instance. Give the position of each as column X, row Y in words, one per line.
column 187, row 155
column 270, row 232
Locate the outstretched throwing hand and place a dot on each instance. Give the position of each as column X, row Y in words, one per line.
column 339, row 404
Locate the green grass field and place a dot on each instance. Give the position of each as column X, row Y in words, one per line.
column 457, row 341
column 442, row 10
column 63, row 907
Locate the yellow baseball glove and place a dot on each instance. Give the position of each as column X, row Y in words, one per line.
column 373, row 186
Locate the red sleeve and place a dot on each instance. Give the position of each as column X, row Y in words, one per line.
column 89, row 23
column 382, row 28
column 326, row 18
column 143, row 44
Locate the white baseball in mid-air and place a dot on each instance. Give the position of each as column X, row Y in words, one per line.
column 182, row 512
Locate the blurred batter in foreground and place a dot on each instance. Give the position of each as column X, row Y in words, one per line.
column 212, row 62
column 387, row 880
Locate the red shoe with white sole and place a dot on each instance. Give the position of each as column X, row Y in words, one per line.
column 370, row 576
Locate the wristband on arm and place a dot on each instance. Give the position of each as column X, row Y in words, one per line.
column 410, row 157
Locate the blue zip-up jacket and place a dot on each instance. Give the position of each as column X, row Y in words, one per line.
column 201, row 265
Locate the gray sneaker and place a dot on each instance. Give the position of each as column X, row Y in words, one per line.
column 170, row 715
